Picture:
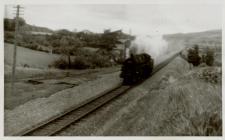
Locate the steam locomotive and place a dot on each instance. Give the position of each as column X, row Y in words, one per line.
column 136, row 68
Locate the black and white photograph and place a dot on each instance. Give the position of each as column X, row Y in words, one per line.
column 112, row 69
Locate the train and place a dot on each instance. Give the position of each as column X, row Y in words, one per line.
column 136, row 68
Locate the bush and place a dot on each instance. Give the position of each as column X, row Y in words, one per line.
column 212, row 75
column 84, row 61
column 100, row 61
column 209, row 58
column 193, row 56
column 205, row 124
column 80, row 63
column 61, row 64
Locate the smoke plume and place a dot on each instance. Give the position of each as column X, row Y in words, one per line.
column 155, row 46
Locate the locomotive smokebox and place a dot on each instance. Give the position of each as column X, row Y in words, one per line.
column 136, row 68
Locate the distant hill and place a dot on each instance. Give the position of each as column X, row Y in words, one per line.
column 210, row 35
column 9, row 25
column 35, row 29
column 211, row 38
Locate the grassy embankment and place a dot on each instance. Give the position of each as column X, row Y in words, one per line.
column 180, row 101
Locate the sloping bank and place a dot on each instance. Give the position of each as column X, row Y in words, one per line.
column 36, row 111
column 174, row 101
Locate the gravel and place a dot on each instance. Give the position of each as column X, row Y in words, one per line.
column 35, row 111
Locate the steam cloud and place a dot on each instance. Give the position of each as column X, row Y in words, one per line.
column 155, row 46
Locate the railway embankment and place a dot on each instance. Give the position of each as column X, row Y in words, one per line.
column 39, row 110
column 176, row 100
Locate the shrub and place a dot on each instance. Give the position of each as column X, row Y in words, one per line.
column 205, row 124
column 84, row 62
column 82, row 52
column 61, row 63
column 209, row 58
column 100, row 61
column 87, row 59
column 193, row 56
column 9, row 35
column 80, row 63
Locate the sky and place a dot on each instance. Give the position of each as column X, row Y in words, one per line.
column 135, row 19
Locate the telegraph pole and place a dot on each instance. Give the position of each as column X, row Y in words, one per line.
column 15, row 46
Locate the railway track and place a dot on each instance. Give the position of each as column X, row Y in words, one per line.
column 57, row 124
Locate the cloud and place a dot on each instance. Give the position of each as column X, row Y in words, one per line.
column 142, row 19
column 109, row 11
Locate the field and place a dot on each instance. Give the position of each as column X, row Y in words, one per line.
column 37, row 80
column 27, row 57
column 38, row 84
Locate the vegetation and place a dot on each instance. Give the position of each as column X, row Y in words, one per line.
column 9, row 24
column 211, row 39
column 60, row 40
column 66, row 43
column 209, row 58
column 84, row 62
column 193, row 56
column 206, row 57
column 60, row 63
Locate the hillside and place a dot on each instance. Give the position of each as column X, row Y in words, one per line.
column 211, row 34
column 9, row 25
column 33, row 29
column 211, row 38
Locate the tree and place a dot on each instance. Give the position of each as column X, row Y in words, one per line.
column 193, row 56
column 209, row 58
column 9, row 24
column 108, row 41
column 64, row 42
column 68, row 45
